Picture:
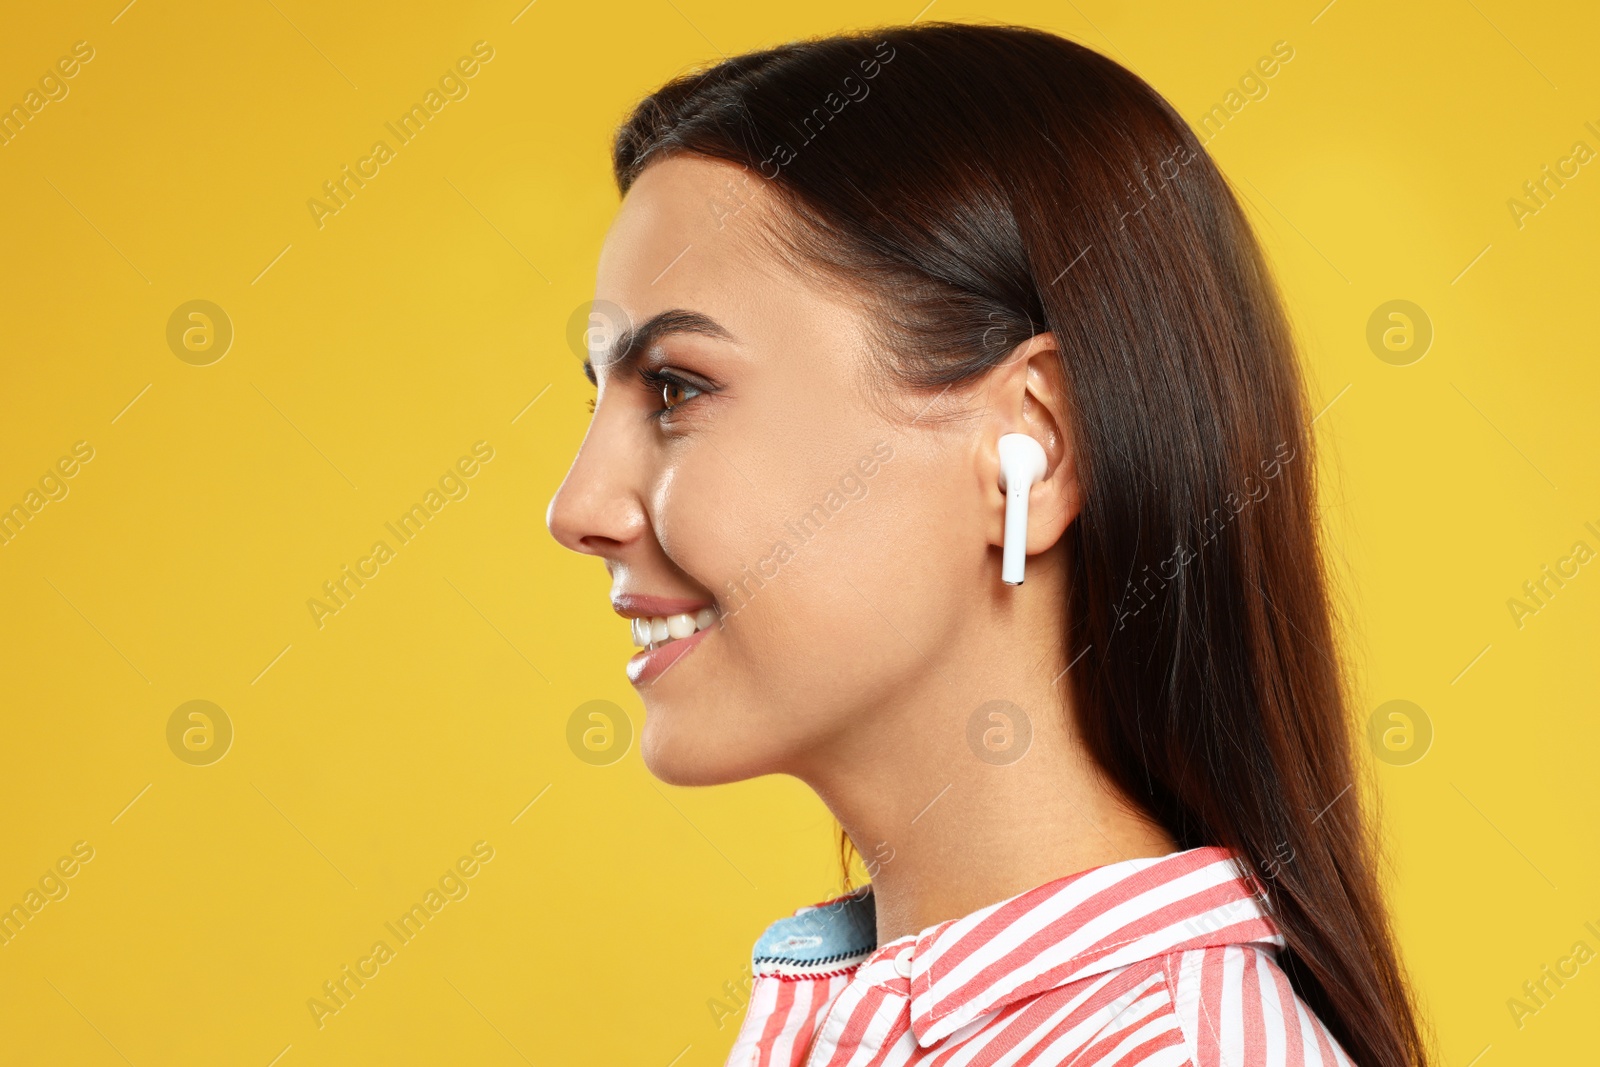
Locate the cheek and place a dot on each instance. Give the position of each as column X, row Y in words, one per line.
column 831, row 590
column 708, row 518
column 759, row 531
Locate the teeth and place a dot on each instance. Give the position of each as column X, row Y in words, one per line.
column 656, row 630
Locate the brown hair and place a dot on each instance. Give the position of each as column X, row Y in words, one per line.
column 982, row 183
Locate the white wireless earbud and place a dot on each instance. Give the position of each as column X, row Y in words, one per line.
column 1022, row 462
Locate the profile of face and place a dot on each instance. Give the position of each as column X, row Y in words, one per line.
column 748, row 462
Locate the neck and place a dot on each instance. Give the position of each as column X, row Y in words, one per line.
column 947, row 816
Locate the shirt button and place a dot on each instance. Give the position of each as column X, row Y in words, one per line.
column 902, row 964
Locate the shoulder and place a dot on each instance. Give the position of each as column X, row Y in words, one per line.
column 1235, row 1008
column 1220, row 1006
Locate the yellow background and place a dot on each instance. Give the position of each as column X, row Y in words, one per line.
column 372, row 352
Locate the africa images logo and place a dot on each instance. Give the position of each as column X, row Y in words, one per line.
column 340, row 190
column 340, row 990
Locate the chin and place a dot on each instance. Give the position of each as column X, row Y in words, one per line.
column 682, row 757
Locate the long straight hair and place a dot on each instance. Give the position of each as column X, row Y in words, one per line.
column 983, row 183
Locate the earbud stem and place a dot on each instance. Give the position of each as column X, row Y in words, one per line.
column 1014, row 555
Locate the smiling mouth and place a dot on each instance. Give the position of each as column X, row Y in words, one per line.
column 658, row 657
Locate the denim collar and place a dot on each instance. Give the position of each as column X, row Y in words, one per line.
column 819, row 940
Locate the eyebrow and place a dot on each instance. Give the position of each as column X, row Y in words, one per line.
column 633, row 343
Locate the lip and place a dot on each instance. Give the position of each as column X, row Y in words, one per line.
column 648, row 664
column 639, row 605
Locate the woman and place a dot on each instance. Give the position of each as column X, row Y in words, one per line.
column 1108, row 813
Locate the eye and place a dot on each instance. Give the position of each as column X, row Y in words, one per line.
column 673, row 390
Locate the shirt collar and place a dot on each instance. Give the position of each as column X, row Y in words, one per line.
column 1066, row 930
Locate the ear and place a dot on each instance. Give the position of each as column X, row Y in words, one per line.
column 1026, row 393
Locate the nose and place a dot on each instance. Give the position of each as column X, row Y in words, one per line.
column 598, row 509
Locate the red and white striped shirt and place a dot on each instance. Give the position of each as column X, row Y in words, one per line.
column 1167, row 961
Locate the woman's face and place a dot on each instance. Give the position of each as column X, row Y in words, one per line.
column 837, row 545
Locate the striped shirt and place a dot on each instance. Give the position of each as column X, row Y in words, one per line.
column 1167, row 961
